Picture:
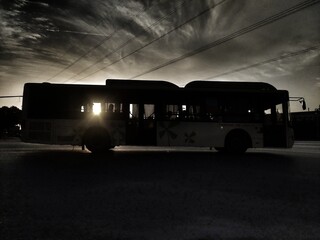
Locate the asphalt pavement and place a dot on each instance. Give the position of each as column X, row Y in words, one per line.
column 61, row 192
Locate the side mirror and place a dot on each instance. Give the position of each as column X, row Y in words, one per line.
column 304, row 107
column 300, row 100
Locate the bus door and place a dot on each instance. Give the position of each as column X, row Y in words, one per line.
column 275, row 126
column 141, row 126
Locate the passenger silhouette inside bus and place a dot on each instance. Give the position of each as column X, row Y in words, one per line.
column 111, row 108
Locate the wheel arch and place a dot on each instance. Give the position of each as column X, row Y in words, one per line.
column 238, row 136
column 96, row 139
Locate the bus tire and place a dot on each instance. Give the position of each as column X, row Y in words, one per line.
column 237, row 141
column 97, row 140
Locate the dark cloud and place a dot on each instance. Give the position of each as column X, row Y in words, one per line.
column 81, row 41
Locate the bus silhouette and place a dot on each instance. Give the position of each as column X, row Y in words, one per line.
column 227, row 116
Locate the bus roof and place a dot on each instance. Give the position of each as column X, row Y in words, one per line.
column 196, row 85
column 139, row 84
column 234, row 86
column 199, row 85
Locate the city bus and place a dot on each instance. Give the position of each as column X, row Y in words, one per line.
column 228, row 116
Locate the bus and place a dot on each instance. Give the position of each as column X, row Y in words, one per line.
column 228, row 116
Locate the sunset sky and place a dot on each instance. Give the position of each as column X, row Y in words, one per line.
column 87, row 42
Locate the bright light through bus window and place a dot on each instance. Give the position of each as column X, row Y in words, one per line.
column 96, row 108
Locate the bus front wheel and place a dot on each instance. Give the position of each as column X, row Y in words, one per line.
column 97, row 140
column 237, row 141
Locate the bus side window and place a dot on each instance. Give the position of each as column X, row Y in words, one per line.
column 212, row 110
column 274, row 115
column 113, row 108
column 149, row 111
column 267, row 117
column 89, row 107
column 110, row 107
column 119, row 108
column 172, row 112
column 133, row 111
column 96, row 108
column 184, row 113
column 279, row 113
column 194, row 112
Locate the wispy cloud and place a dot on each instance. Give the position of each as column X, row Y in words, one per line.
column 83, row 41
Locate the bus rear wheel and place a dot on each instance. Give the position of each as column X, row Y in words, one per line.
column 237, row 141
column 97, row 140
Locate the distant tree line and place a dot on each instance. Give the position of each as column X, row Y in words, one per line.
column 10, row 121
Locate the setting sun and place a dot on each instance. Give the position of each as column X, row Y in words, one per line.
column 96, row 108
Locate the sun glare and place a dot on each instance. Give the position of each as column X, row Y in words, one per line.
column 96, row 108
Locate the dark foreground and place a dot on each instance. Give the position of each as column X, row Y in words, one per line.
column 50, row 192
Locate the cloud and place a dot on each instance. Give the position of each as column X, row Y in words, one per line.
column 83, row 41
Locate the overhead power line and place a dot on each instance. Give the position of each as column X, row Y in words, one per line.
column 123, row 45
column 287, row 55
column 100, row 43
column 243, row 31
column 70, row 47
column 82, row 56
column 154, row 40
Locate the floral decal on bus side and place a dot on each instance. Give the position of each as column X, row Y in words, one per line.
column 166, row 130
column 189, row 137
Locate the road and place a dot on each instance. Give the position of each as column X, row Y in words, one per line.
column 53, row 192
